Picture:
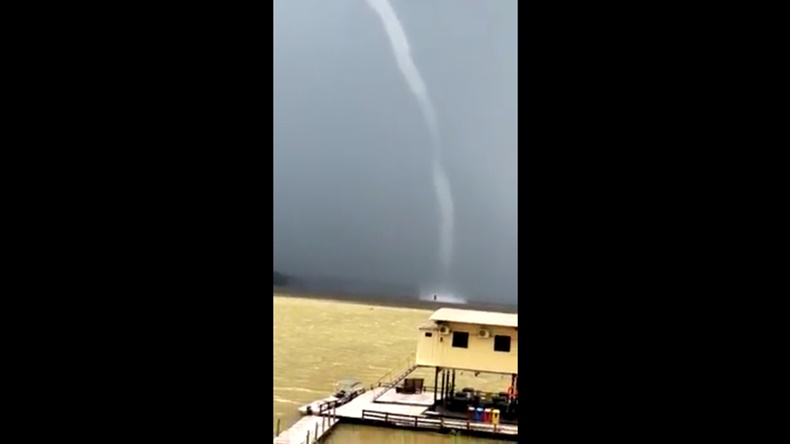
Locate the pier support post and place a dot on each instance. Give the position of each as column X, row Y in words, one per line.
column 510, row 400
column 444, row 398
column 435, row 384
column 515, row 377
column 445, row 387
column 452, row 386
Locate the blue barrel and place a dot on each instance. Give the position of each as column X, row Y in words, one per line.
column 479, row 414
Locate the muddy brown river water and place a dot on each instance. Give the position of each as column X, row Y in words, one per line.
column 318, row 342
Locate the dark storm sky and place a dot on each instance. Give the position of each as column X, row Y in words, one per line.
column 353, row 195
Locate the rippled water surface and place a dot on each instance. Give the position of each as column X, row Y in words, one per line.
column 318, row 342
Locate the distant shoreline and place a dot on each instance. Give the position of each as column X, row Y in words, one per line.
column 390, row 301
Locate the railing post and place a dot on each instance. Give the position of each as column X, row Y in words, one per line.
column 308, row 437
column 315, row 436
column 278, row 427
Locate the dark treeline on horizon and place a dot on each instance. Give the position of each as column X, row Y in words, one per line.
column 280, row 279
column 353, row 289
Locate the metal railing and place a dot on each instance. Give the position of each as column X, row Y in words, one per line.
column 327, row 421
column 328, row 406
column 387, row 378
column 440, row 423
column 390, row 381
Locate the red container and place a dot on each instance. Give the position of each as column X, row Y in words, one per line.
column 487, row 415
column 470, row 413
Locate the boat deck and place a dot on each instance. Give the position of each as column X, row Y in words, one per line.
column 316, row 405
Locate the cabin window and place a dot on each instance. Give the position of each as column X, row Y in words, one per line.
column 460, row 339
column 428, row 334
column 502, row 343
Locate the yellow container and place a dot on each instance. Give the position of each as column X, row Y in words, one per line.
column 495, row 417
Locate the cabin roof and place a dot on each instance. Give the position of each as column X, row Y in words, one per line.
column 475, row 317
column 348, row 382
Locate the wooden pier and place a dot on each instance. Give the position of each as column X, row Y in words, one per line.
column 441, row 424
column 415, row 408
column 307, row 430
column 369, row 409
column 366, row 401
column 385, row 407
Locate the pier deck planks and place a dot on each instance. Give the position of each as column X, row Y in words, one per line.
column 297, row 433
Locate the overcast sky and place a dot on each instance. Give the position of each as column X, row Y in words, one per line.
column 353, row 195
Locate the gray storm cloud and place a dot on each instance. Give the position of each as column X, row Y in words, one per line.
column 441, row 184
column 355, row 177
